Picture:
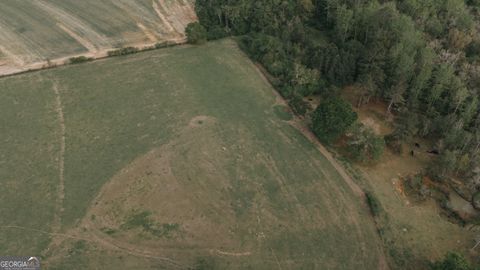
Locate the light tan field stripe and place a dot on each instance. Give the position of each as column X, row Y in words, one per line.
column 147, row 32
column 174, row 17
column 162, row 17
column 11, row 56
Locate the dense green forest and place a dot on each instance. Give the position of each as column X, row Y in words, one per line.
column 421, row 57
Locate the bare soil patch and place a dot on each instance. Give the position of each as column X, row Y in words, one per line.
column 201, row 120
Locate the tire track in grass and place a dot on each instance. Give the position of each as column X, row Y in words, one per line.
column 95, row 239
column 233, row 254
column 57, row 220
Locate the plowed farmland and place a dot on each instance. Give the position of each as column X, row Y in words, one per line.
column 35, row 33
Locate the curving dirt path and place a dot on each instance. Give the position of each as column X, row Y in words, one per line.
column 99, row 237
column 309, row 134
column 103, row 241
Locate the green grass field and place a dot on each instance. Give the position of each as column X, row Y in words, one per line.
column 194, row 137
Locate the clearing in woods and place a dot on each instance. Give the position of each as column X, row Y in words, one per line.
column 414, row 232
column 37, row 33
column 170, row 157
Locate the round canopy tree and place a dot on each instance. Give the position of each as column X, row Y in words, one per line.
column 332, row 118
column 196, row 33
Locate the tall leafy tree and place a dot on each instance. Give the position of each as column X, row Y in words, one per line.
column 332, row 118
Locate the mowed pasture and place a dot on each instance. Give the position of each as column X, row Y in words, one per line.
column 32, row 32
column 168, row 158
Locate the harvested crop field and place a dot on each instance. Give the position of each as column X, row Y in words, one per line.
column 171, row 159
column 33, row 33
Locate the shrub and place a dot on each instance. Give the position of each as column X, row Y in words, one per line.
column 80, row 59
column 144, row 220
column 123, row 51
column 298, row 105
column 109, row 231
column 452, row 261
column 476, row 200
column 394, row 143
column 206, row 263
column 472, row 52
column 364, row 145
column 286, row 91
column 332, row 118
column 138, row 219
column 373, row 204
column 216, row 32
column 196, row 33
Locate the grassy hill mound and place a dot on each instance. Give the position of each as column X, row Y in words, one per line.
column 171, row 158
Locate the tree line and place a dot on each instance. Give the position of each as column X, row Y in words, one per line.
column 419, row 56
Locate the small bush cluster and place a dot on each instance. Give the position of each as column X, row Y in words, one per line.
column 452, row 261
column 165, row 44
column 123, row 51
column 415, row 187
column 394, row 143
column 196, row 33
column 373, row 204
column 476, row 200
column 298, row 105
column 143, row 220
column 80, row 59
column 364, row 145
